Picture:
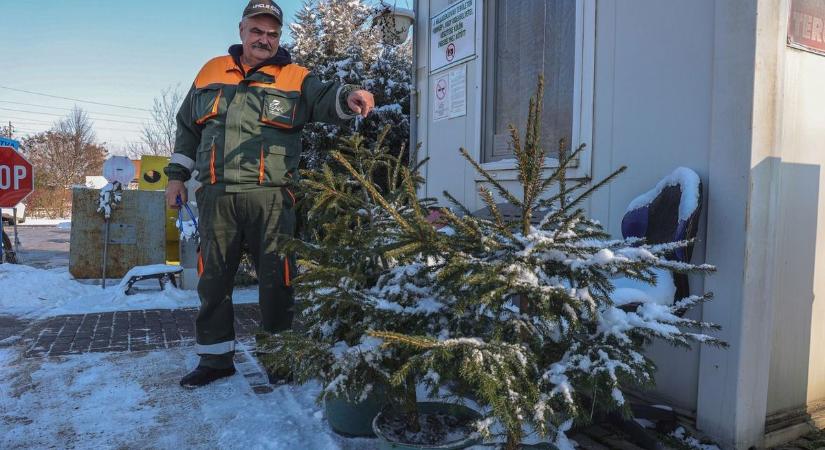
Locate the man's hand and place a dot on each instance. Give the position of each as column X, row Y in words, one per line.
column 361, row 102
column 174, row 189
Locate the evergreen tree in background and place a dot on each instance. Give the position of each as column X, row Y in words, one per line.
column 335, row 39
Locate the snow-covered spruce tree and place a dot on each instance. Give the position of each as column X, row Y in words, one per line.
column 522, row 319
column 335, row 39
column 344, row 256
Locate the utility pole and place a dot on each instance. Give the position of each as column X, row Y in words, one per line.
column 7, row 131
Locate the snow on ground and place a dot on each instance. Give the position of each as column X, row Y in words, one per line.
column 61, row 223
column 133, row 400
column 37, row 293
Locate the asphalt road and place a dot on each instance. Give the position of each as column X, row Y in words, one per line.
column 42, row 246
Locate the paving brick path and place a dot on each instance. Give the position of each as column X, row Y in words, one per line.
column 125, row 331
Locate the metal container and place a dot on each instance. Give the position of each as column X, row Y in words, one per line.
column 137, row 233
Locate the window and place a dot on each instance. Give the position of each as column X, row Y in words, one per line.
column 527, row 38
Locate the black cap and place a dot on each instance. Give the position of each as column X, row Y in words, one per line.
column 268, row 7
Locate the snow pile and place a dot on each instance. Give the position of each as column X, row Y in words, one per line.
column 37, row 293
column 682, row 435
column 109, row 197
column 63, row 224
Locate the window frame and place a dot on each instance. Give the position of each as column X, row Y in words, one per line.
column 583, row 87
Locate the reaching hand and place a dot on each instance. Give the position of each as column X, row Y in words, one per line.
column 361, row 102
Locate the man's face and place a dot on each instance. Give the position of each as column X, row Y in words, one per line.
column 260, row 36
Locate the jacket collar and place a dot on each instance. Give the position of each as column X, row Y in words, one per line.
column 281, row 58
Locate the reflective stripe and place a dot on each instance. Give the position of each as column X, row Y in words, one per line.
column 183, row 160
column 338, row 107
column 215, row 349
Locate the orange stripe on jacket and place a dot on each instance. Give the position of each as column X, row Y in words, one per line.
column 287, row 279
column 200, row 263
column 213, row 112
column 213, row 178
column 261, row 167
column 289, row 78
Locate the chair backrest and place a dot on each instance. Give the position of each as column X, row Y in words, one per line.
column 669, row 212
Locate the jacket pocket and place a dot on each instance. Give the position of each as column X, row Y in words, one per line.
column 207, row 104
column 277, row 162
column 205, row 162
column 278, row 108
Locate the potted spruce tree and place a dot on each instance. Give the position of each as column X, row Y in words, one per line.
column 523, row 325
column 343, row 252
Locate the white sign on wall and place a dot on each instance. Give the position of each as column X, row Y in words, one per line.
column 450, row 94
column 453, row 34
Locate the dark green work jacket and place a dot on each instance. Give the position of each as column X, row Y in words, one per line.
column 242, row 129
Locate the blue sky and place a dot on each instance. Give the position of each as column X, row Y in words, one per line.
column 116, row 52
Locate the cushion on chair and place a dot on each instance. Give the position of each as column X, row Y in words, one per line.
column 669, row 212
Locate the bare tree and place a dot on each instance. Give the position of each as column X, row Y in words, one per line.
column 158, row 135
column 68, row 152
column 62, row 157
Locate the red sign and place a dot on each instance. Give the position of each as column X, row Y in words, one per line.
column 16, row 178
column 806, row 25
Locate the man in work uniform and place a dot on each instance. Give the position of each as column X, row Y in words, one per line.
column 239, row 129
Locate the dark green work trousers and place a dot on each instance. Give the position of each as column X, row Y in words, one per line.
column 228, row 220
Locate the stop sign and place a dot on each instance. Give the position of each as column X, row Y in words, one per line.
column 16, row 178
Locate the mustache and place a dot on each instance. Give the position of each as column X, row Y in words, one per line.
column 262, row 46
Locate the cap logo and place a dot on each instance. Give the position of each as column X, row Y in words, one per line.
column 267, row 6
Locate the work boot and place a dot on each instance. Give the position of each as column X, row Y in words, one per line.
column 203, row 375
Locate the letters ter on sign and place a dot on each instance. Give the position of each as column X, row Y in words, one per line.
column 806, row 25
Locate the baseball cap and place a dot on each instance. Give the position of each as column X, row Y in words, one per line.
column 259, row 7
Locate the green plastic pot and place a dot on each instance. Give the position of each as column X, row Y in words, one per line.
column 460, row 411
column 354, row 419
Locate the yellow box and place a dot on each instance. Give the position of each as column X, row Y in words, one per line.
column 152, row 178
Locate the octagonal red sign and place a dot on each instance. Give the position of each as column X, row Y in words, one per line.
column 16, row 178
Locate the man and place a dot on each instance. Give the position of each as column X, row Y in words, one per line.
column 239, row 129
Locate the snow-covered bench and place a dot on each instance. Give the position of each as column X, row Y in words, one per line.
column 161, row 272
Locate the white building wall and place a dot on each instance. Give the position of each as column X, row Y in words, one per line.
column 654, row 64
column 797, row 375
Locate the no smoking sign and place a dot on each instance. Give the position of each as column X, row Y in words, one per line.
column 450, row 52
